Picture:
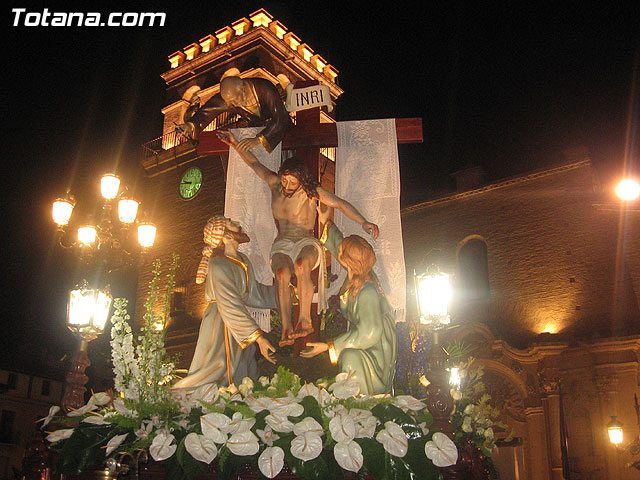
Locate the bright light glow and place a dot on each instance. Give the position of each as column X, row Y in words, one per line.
column 61, row 211
column 88, row 310
column 261, row 19
column 109, row 186
column 206, row 43
column 433, row 291
column 190, row 52
column 174, row 61
column 614, row 427
column 307, row 53
column 87, row 234
column 146, row 234
column 628, row 189
column 127, row 210
column 454, row 377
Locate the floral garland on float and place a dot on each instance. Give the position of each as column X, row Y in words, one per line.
column 318, row 430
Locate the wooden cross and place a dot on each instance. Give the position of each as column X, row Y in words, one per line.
column 306, row 138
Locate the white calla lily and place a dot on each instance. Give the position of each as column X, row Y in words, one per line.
column 61, row 434
column 200, row 447
column 243, row 443
column 407, row 402
column 306, row 446
column 214, row 426
column 349, row 456
column 114, row 443
column 162, row 446
column 441, row 450
column 393, row 439
column 346, row 386
column 308, row 424
column 342, row 428
column 271, row 461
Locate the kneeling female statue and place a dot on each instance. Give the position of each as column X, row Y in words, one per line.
column 369, row 347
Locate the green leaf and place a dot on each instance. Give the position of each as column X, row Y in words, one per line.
column 311, row 409
column 373, row 457
column 335, row 470
column 82, row 449
column 386, row 413
column 230, row 463
column 418, row 462
column 190, row 466
column 315, row 469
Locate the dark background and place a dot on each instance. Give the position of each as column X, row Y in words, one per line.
column 504, row 85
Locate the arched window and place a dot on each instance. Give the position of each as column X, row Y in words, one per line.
column 473, row 270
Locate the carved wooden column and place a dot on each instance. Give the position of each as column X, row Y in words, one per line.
column 75, row 381
column 550, row 383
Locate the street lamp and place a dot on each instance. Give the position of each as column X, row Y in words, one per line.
column 113, row 236
column 616, row 436
column 87, row 314
column 628, row 189
column 433, row 295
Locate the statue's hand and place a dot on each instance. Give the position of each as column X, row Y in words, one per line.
column 313, row 349
column 227, row 137
column 372, row 229
column 266, row 349
column 247, row 144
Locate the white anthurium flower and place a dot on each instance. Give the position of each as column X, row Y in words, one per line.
column 286, row 407
column 89, row 407
column 207, row 393
column 121, row 408
column 114, row 443
column 58, row 435
column 267, row 435
column 393, row 439
column 407, row 402
column 239, row 424
column 346, row 386
column 200, row 447
column 244, row 443
column 279, row 424
column 162, row 446
column 349, row 456
column 95, row 420
column 441, row 450
column 306, row 446
column 336, row 410
column 320, row 394
column 52, row 413
column 366, row 428
column 259, row 404
column 342, row 428
column 423, row 427
column 212, row 425
column 99, row 399
column 271, row 461
column 308, row 424
column 359, row 415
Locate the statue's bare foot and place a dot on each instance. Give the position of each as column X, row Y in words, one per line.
column 302, row 330
column 286, row 340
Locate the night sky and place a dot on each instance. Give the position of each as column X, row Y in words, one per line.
column 505, row 86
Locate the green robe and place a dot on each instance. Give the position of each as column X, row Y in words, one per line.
column 369, row 347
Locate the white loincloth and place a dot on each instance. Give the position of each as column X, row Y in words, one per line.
column 292, row 249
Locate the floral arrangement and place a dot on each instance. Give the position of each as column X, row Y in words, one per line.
column 320, row 430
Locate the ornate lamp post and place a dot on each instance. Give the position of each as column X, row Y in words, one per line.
column 616, row 436
column 111, row 242
column 433, row 294
column 111, row 238
column 87, row 313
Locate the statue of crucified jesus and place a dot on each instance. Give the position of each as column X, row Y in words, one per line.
column 295, row 194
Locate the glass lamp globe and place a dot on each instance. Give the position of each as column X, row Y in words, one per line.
column 61, row 211
column 614, row 428
column 87, row 234
column 127, row 210
column 433, row 294
column 146, row 234
column 628, row 189
column 88, row 310
column 109, row 186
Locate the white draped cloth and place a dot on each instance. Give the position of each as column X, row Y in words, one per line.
column 248, row 201
column 368, row 176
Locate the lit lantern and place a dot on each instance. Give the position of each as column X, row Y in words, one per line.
column 433, row 294
column 109, row 186
column 454, row 377
column 628, row 189
column 88, row 310
column 87, row 234
column 61, row 211
column 614, row 427
column 146, row 234
column 127, row 210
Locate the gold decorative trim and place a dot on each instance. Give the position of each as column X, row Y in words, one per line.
column 227, row 352
column 325, row 231
column 244, row 267
column 251, row 338
column 333, row 356
column 264, row 142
